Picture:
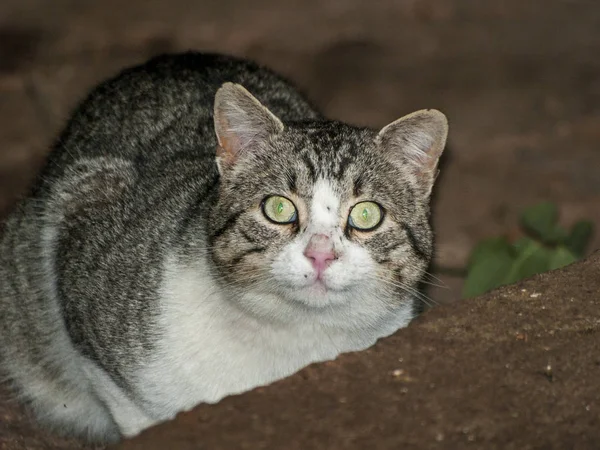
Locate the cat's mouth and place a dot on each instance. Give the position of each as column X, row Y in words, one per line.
column 320, row 288
column 318, row 293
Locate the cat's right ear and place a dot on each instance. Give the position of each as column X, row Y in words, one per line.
column 242, row 123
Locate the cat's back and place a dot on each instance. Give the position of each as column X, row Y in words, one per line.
column 169, row 99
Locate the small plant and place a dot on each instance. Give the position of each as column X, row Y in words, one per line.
column 545, row 246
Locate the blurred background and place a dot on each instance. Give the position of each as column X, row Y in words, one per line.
column 519, row 81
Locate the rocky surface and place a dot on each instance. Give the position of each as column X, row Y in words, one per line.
column 519, row 82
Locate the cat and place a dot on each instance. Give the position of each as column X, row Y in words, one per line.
column 200, row 229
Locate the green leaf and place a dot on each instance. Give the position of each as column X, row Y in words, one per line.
column 486, row 247
column 532, row 258
column 541, row 221
column 579, row 237
column 489, row 264
column 522, row 243
column 561, row 257
column 495, row 262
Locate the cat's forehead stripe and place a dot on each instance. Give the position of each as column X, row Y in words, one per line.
column 358, row 186
column 292, row 181
column 310, row 165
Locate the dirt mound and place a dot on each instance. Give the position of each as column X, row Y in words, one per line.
column 517, row 368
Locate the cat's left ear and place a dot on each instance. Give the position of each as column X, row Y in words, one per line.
column 416, row 142
column 241, row 122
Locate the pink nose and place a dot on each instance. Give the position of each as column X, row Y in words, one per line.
column 320, row 252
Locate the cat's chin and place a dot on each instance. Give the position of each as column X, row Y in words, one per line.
column 319, row 286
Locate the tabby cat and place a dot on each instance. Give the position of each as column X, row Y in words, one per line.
column 199, row 229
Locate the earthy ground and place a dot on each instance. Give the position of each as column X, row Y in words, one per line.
column 518, row 80
column 503, row 371
column 515, row 369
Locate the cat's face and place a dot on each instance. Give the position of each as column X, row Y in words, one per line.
column 318, row 215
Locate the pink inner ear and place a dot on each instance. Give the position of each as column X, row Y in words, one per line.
column 225, row 149
column 240, row 120
column 418, row 138
column 229, row 144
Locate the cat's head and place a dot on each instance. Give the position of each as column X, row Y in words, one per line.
column 321, row 215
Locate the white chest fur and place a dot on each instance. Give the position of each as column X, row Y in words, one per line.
column 211, row 348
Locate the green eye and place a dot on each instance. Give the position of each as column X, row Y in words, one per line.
column 279, row 209
column 365, row 216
